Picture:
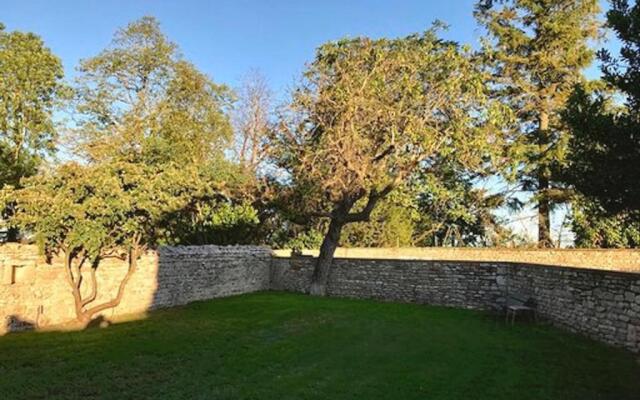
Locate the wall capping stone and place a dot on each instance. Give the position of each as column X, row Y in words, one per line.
column 608, row 259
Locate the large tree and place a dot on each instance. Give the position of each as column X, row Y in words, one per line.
column 30, row 86
column 536, row 50
column 151, row 131
column 139, row 102
column 368, row 113
column 605, row 148
column 30, row 89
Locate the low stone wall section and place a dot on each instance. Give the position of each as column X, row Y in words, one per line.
column 34, row 292
column 448, row 283
column 604, row 305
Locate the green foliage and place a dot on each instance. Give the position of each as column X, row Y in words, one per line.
column 593, row 227
column 439, row 207
column 101, row 209
column 536, row 51
column 309, row 239
column 76, row 210
column 453, row 211
column 138, row 101
column 30, row 89
column 213, row 222
column 391, row 225
column 605, row 148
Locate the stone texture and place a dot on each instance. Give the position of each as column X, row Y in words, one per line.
column 38, row 295
column 609, row 259
column 456, row 284
column 597, row 303
column 604, row 305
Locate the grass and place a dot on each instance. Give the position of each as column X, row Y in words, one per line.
column 289, row 346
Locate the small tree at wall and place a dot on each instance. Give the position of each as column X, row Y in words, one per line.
column 368, row 113
column 77, row 213
column 89, row 213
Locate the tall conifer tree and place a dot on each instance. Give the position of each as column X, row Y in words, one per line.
column 537, row 50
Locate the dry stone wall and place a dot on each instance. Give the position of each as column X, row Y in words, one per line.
column 193, row 273
column 33, row 292
column 604, row 305
column 608, row 259
column 455, row 284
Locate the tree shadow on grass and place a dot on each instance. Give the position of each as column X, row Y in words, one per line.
column 99, row 322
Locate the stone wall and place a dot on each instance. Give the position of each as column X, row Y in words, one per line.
column 447, row 283
column 34, row 292
column 608, row 259
column 604, row 305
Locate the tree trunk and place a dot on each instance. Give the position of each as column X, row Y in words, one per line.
column 13, row 234
column 134, row 255
column 325, row 258
column 84, row 314
column 544, row 228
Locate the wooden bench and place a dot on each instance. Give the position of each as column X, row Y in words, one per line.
column 519, row 303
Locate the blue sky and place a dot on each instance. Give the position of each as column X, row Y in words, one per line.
column 227, row 38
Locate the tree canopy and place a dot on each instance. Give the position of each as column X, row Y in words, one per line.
column 30, row 87
column 605, row 147
column 536, row 50
column 368, row 114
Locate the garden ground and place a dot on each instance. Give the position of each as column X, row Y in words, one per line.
column 288, row 346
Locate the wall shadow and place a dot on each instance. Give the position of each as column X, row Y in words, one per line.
column 16, row 324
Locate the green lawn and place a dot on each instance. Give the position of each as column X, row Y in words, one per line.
column 288, row 346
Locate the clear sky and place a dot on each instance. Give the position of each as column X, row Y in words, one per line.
column 227, row 38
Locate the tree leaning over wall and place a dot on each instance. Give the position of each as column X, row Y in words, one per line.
column 367, row 114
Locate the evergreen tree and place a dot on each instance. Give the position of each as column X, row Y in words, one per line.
column 536, row 50
column 605, row 148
